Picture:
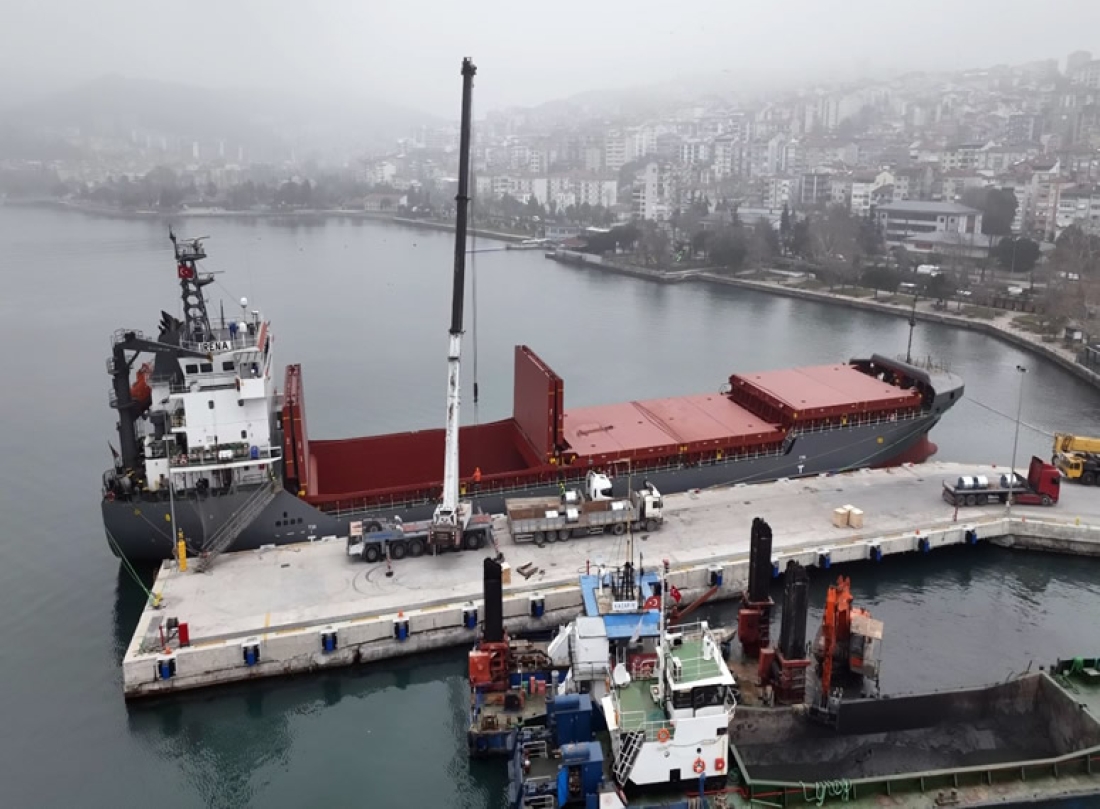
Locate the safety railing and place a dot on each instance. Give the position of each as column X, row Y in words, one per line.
column 223, row 453
column 235, row 339
column 942, row 782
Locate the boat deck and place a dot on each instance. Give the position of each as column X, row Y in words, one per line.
column 492, row 716
column 1035, row 737
column 661, row 426
column 637, row 706
column 694, row 663
column 824, row 390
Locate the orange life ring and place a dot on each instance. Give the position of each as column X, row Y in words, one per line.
column 719, row 764
column 699, row 766
column 662, row 735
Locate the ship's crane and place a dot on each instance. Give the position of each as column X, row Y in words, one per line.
column 450, row 515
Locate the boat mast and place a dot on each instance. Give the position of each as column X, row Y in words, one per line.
column 196, row 320
column 445, row 529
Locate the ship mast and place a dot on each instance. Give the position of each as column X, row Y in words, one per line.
column 446, row 528
column 196, row 320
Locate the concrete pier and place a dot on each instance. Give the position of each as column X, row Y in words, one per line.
column 304, row 607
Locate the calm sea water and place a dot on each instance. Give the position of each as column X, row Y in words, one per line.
column 364, row 307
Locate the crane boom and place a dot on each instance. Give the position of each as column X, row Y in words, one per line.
column 446, row 528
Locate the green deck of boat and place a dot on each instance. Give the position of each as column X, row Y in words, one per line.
column 638, row 707
column 693, row 664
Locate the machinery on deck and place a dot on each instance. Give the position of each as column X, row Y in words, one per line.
column 847, row 645
column 754, row 617
column 508, row 677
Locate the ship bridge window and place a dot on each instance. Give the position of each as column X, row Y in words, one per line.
column 681, row 699
column 206, row 367
column 707, row 695
column 227, row 366
column 191, row 368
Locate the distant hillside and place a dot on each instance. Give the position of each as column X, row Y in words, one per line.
column 115, row 106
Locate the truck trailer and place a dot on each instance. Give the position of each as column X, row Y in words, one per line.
column 574, row 514
column 1039, row 488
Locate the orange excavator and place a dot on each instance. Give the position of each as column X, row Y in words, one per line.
column 849, row 638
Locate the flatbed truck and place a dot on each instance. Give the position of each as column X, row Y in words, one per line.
column 573, row 514
column 1040, row 488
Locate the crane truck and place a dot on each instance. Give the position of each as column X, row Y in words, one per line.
column 573, row 514
column 1039, row 488
column 453, row 525
column 1077, row 457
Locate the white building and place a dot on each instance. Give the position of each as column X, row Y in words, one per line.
column 903, row 219
column 863, row 188
column 694, row 151
column 652, row 192
column 1079, row 205
column 780, row 191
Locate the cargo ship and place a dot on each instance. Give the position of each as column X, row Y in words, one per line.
column 208, row 442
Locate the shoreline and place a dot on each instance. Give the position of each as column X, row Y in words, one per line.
column 1000, row 327
column 299, row 214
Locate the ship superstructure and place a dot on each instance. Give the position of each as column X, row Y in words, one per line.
column 197, row 424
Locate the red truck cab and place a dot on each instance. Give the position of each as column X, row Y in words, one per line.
column 1044, row 482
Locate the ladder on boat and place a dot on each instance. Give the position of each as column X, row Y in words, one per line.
column 228, row 533
column 628, row 754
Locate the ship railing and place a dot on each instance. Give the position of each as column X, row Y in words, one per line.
column 222, row 453
column 927, row 363
column 197, row 387
column 689, row 666
column 570, row 476
column 654, row 730
column 121, row 335
column 858, row 421
column 240, row 340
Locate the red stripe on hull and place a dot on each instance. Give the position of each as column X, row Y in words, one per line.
column 918, row 453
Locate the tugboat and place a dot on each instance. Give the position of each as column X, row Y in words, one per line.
column 666, row 698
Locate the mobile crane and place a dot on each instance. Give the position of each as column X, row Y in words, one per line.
column 1077, row 457
column 453, row 525
column 451, row 517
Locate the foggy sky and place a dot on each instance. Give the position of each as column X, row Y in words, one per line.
column 527, row 52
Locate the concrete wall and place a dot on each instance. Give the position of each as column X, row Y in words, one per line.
column 433, row 625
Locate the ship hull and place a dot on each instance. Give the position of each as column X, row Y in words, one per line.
column 140, row 530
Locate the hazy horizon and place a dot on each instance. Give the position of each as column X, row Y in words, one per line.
column 389, row 53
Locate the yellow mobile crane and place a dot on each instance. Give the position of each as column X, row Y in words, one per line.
column 1077, row 457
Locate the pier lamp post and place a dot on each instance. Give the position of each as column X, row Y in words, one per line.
column 176, row 533
column 1021, row 370
column 912, row 325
